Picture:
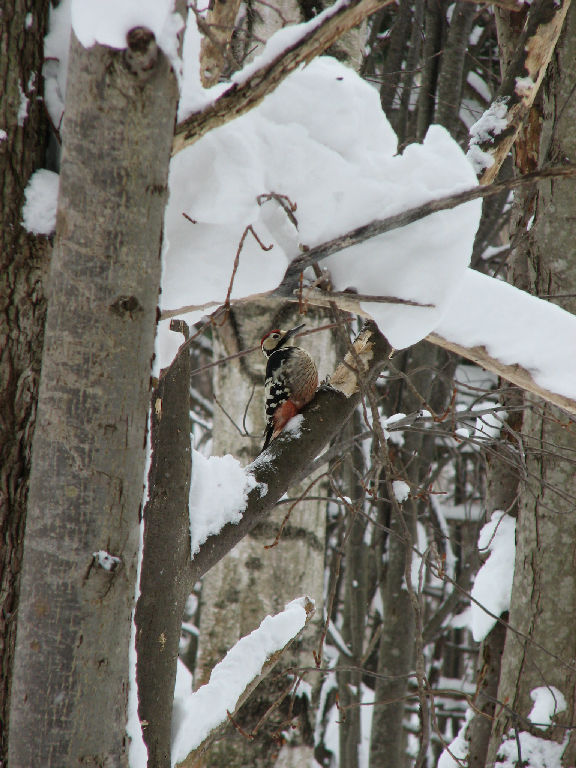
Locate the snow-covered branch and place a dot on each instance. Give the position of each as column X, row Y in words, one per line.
column 502, row 329
column 200, row 716
column 493, row 136
column 283, row 54
column 389, row 223
column 288, row 455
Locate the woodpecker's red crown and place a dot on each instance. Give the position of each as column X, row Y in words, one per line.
column 277, row 338
column 275, row 334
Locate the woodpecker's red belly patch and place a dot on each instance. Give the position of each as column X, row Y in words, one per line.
column 282, row 416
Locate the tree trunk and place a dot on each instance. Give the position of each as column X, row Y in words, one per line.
column 164, row 584
column 70, row 682
column 544, row 589
column 430, row 372
column 453, row 69
column 356, row 606
column 23, row 269
column 253, row 581
column 502, row 481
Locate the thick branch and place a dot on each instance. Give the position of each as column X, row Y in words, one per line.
column 267, row 668
column 241, row 97
column 289, row 454
column 515, row 374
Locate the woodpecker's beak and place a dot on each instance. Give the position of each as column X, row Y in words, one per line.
column 292, row 332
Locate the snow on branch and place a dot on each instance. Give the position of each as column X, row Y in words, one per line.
column 284, row 53
column 201, row 715
column 409, row 216
column 494, row 134
column 502, row 329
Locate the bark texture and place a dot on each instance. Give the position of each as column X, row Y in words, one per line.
column 428, row 369
column 23, row 269
column 163, row 580
column 524, row 75
column 502, row 488
column 70, row 681
column 544, row 590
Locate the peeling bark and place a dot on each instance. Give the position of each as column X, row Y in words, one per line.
column 524, row 76
column 544, row 589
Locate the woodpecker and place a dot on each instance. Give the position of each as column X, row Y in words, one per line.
column 291, row 380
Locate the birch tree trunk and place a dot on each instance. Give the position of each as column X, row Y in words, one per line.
column 70, row 681
column 252, row 581
column 542, row 650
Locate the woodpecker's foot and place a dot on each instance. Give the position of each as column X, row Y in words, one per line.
column 326, row 387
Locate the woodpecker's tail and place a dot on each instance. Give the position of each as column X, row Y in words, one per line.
column 268, row 435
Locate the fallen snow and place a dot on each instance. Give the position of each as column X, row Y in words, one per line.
column 488, row 425
column 401, row 490
column 493, row 583
column 458, row 749
column 491, row 124
column 524, row 88
column 197, row 714
column 397, row 436
column 218, row 495
column 105, row 560
column 548, row 702
column 536, row 752
column 41, row 195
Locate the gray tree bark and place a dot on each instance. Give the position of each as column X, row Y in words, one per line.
column 502, row 486
column 429, row 370
column 544, row 589
column 164, row 576
column 70, row 681
column 355, row 608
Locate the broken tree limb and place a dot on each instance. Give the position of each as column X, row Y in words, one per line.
column 522, row 80
column 243, row 96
